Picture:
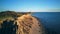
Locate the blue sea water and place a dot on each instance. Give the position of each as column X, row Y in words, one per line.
column 50, row 20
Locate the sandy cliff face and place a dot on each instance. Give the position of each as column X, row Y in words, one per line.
column 28, row 24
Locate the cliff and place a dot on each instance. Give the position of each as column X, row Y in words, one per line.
column 29, row 25
column 22, row 23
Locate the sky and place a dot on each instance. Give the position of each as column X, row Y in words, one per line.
column 30, row 5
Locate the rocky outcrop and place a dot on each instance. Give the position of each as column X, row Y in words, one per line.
column 23, row 24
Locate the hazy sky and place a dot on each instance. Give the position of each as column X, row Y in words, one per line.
column 30, row 5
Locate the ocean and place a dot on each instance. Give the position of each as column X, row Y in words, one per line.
column 50, row 20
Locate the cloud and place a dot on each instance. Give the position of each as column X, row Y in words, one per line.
column 41, row 10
